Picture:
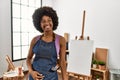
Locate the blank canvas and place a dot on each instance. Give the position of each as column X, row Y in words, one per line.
column 80, row 56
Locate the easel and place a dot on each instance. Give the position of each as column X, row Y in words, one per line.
column 10, row 64
column 82, row 34
column 12, row 73
column 75, row 75
column 79, row 76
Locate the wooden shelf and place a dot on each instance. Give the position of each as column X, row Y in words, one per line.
column 95, row 69
column 104, row 73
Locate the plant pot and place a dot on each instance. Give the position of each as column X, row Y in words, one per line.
column 98, row 79
column 94, row 65
column 101, row 67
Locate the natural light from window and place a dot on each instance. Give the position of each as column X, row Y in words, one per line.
column 22, row 27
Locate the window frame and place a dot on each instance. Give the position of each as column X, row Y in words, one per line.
column 12, row 31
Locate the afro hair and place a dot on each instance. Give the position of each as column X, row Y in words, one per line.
column 44, row 11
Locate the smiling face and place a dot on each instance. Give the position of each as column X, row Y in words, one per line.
column 46, row 24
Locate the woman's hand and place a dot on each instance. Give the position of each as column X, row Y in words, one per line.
column 36, row 75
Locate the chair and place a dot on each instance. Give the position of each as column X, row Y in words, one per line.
column 101, row 54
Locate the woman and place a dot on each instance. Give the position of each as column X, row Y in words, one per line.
column 45, row 21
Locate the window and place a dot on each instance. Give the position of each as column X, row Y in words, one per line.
column 22, row 26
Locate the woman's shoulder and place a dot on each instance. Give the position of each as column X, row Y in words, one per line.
column 58, row 35
column 61, row 38
column 35, row 39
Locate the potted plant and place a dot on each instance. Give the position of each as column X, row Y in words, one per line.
column 101, row 65
column 94, row 63
column 97, row 77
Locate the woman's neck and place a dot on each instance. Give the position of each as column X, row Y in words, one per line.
column 48, row 37
column 48, row 34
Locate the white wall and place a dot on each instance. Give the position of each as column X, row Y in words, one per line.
column 47, row 3
column 101, row 24
column 5, row 35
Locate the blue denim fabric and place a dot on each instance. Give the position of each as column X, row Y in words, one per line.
column 45, row 59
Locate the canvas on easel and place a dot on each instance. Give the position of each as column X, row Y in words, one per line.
column 80, row 56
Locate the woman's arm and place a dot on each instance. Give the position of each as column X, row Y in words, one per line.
column 30, row 56
column 33, row 73
column 62, row 58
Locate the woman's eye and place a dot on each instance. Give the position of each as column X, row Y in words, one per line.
column 50, row 20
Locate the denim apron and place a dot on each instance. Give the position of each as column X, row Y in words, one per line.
column 45, row 59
